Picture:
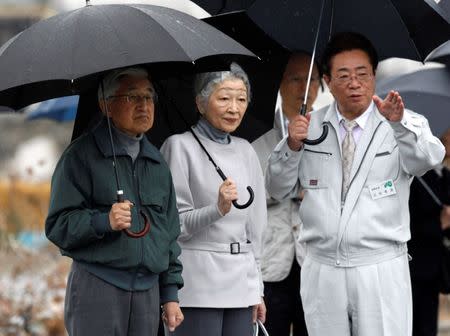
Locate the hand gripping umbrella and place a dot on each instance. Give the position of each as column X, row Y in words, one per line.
column 68, row 53
column 222, row 175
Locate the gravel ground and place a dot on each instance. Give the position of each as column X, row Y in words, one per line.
column 32, row 289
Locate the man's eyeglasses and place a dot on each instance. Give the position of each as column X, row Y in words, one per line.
column 136, row 99
column 345, row 79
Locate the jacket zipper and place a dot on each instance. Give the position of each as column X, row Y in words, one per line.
column 138, row 205
column 318, row 152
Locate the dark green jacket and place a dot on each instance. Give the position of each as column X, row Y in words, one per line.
column 83, row 191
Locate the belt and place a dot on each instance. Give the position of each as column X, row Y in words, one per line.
column 231, row 248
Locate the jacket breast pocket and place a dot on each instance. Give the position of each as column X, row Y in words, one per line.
column 156, row 206
column 313, row 169
column 386, row 163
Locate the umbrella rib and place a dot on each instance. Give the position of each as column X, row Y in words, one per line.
column 419, row 56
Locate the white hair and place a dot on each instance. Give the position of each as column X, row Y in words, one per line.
column 206, row 82
column 111, row 82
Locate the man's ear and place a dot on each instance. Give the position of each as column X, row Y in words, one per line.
column 327, row 80
column 101, row 104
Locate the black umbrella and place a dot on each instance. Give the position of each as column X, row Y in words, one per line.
column 215, row 7
column 441, row 54
column 66, row 54
column 398, row 28
column 244, row 30
column 424, row 91
column 177, row 110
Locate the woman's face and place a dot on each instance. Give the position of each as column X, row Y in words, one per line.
column 226, row 105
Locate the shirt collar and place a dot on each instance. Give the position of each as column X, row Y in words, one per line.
column 362, row 119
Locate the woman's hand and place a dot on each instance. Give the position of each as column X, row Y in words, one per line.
column 227, row 194
column 259, row 312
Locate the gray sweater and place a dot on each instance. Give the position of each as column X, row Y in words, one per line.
column 213, row 276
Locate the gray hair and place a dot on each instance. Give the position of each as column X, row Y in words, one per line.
column 111, row 82
column 206, row 82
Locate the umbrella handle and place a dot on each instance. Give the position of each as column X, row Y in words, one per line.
column 128, row 232
column 235, row 203
column 250, row 201
column 319, row 139
column 141, row 233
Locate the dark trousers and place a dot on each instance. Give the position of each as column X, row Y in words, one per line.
column 161, row 325
column 216, row 322
column 93, row 307
column 284, row 305
column 425, row 296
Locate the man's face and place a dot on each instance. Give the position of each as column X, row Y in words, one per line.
column 352, row 82
column 293, row 85
column 132, row 107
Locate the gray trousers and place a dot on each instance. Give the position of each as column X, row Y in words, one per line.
column 94, row 307
column 215, row 322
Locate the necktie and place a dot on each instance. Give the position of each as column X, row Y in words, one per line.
column 348, row 151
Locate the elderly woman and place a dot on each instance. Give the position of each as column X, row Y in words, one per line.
column 221, row 244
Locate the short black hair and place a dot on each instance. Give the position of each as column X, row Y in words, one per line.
column 346, row 41
column 299, row 52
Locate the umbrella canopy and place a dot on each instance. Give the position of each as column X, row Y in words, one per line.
column 426, row 92
column 215, row 7
column 59, row 109
column 398, row 28
column 243, row 29
column 176, row 110
column 441, row 54
column 185, row 6
column 66, row 54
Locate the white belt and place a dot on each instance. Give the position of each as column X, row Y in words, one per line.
column 232, row 248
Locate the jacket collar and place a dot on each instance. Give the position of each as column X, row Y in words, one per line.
column 101, row 136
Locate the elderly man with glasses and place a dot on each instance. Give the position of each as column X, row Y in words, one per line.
column 117, row 283
column 355, row 277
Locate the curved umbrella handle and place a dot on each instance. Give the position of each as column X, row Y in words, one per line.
column 128, row 232
column 141, row 233
column 235, row 203
column 319, row 139
column 250, row 201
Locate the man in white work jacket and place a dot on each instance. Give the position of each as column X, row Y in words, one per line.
column 355, row 278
